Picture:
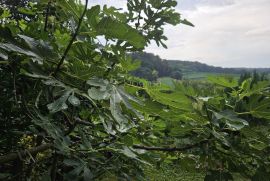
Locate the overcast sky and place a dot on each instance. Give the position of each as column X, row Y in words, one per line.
column 228, row 33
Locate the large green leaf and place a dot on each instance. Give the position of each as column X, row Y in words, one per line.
column 92, row 15
column 60, row 103
column 99, row 94
column 113, row 28
column 230, row 119
column 74, row 100
column 247, row 88
column 70, row 8
column 223, row 81
column 127, row 64
column 258, row 106
column 87, row 174
column 112, row 11
column 3, row 55
column 165, row 96
column 61, row 142
column 98, row 82
column 14, row 48
column 38, row 50
column 101, row 90
column 104, row 90
column 123, row 123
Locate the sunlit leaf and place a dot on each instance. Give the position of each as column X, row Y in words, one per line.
column 259, row 106
column 74, row 100
column 112, row 28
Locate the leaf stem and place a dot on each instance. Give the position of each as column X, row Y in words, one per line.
column 243, row 113
column 47, row 16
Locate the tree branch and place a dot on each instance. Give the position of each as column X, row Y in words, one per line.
column 82, row 122
column 54, row 167
column 24, row 153
column 173, row 149
column 72, row 40
column 47, row 15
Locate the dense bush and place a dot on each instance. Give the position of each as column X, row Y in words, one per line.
column 70, row 111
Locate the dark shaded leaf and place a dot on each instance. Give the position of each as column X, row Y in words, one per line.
column 60, row 103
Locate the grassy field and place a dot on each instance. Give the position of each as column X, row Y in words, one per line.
column 204, row 75
column 194, row 76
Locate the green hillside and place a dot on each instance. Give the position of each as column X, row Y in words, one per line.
column 189, row 66
column 153, row 67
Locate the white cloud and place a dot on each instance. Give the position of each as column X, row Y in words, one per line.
column 229, row 33
column 226, row 34
column 116, row 3
column 193, row 4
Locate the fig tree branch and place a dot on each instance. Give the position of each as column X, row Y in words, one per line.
column 24, row 153
column 72, row 40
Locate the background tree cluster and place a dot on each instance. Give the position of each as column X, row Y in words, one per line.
column 153, row 67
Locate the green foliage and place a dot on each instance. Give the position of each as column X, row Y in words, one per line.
column 153, row 67
column 229, row 82
column 229, row 118
column 68, row 103
column 115, row 29
column 172, row 172
column 63, row 87
column 187, row 70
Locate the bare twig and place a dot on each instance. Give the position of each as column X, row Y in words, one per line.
column 47, row 16
column 54, row 167
column 22, row 154
column 14, row 86
column 72, row 40
column 138, row 22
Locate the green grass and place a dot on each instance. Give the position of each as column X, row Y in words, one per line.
column 204, row 75
column 194, row 76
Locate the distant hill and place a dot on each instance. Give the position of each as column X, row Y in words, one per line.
column 153, row 67
column 189, row 66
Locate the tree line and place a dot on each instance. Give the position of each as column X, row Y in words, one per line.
column 152, row 67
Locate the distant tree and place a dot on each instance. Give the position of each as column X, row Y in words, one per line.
column 157, row 66
column 145, row 72
column 155, row 74
column 255, row 76
column 177, row 75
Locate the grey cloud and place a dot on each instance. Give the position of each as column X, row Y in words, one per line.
column 232, row 36
column 229, row 33
column 116, row 3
